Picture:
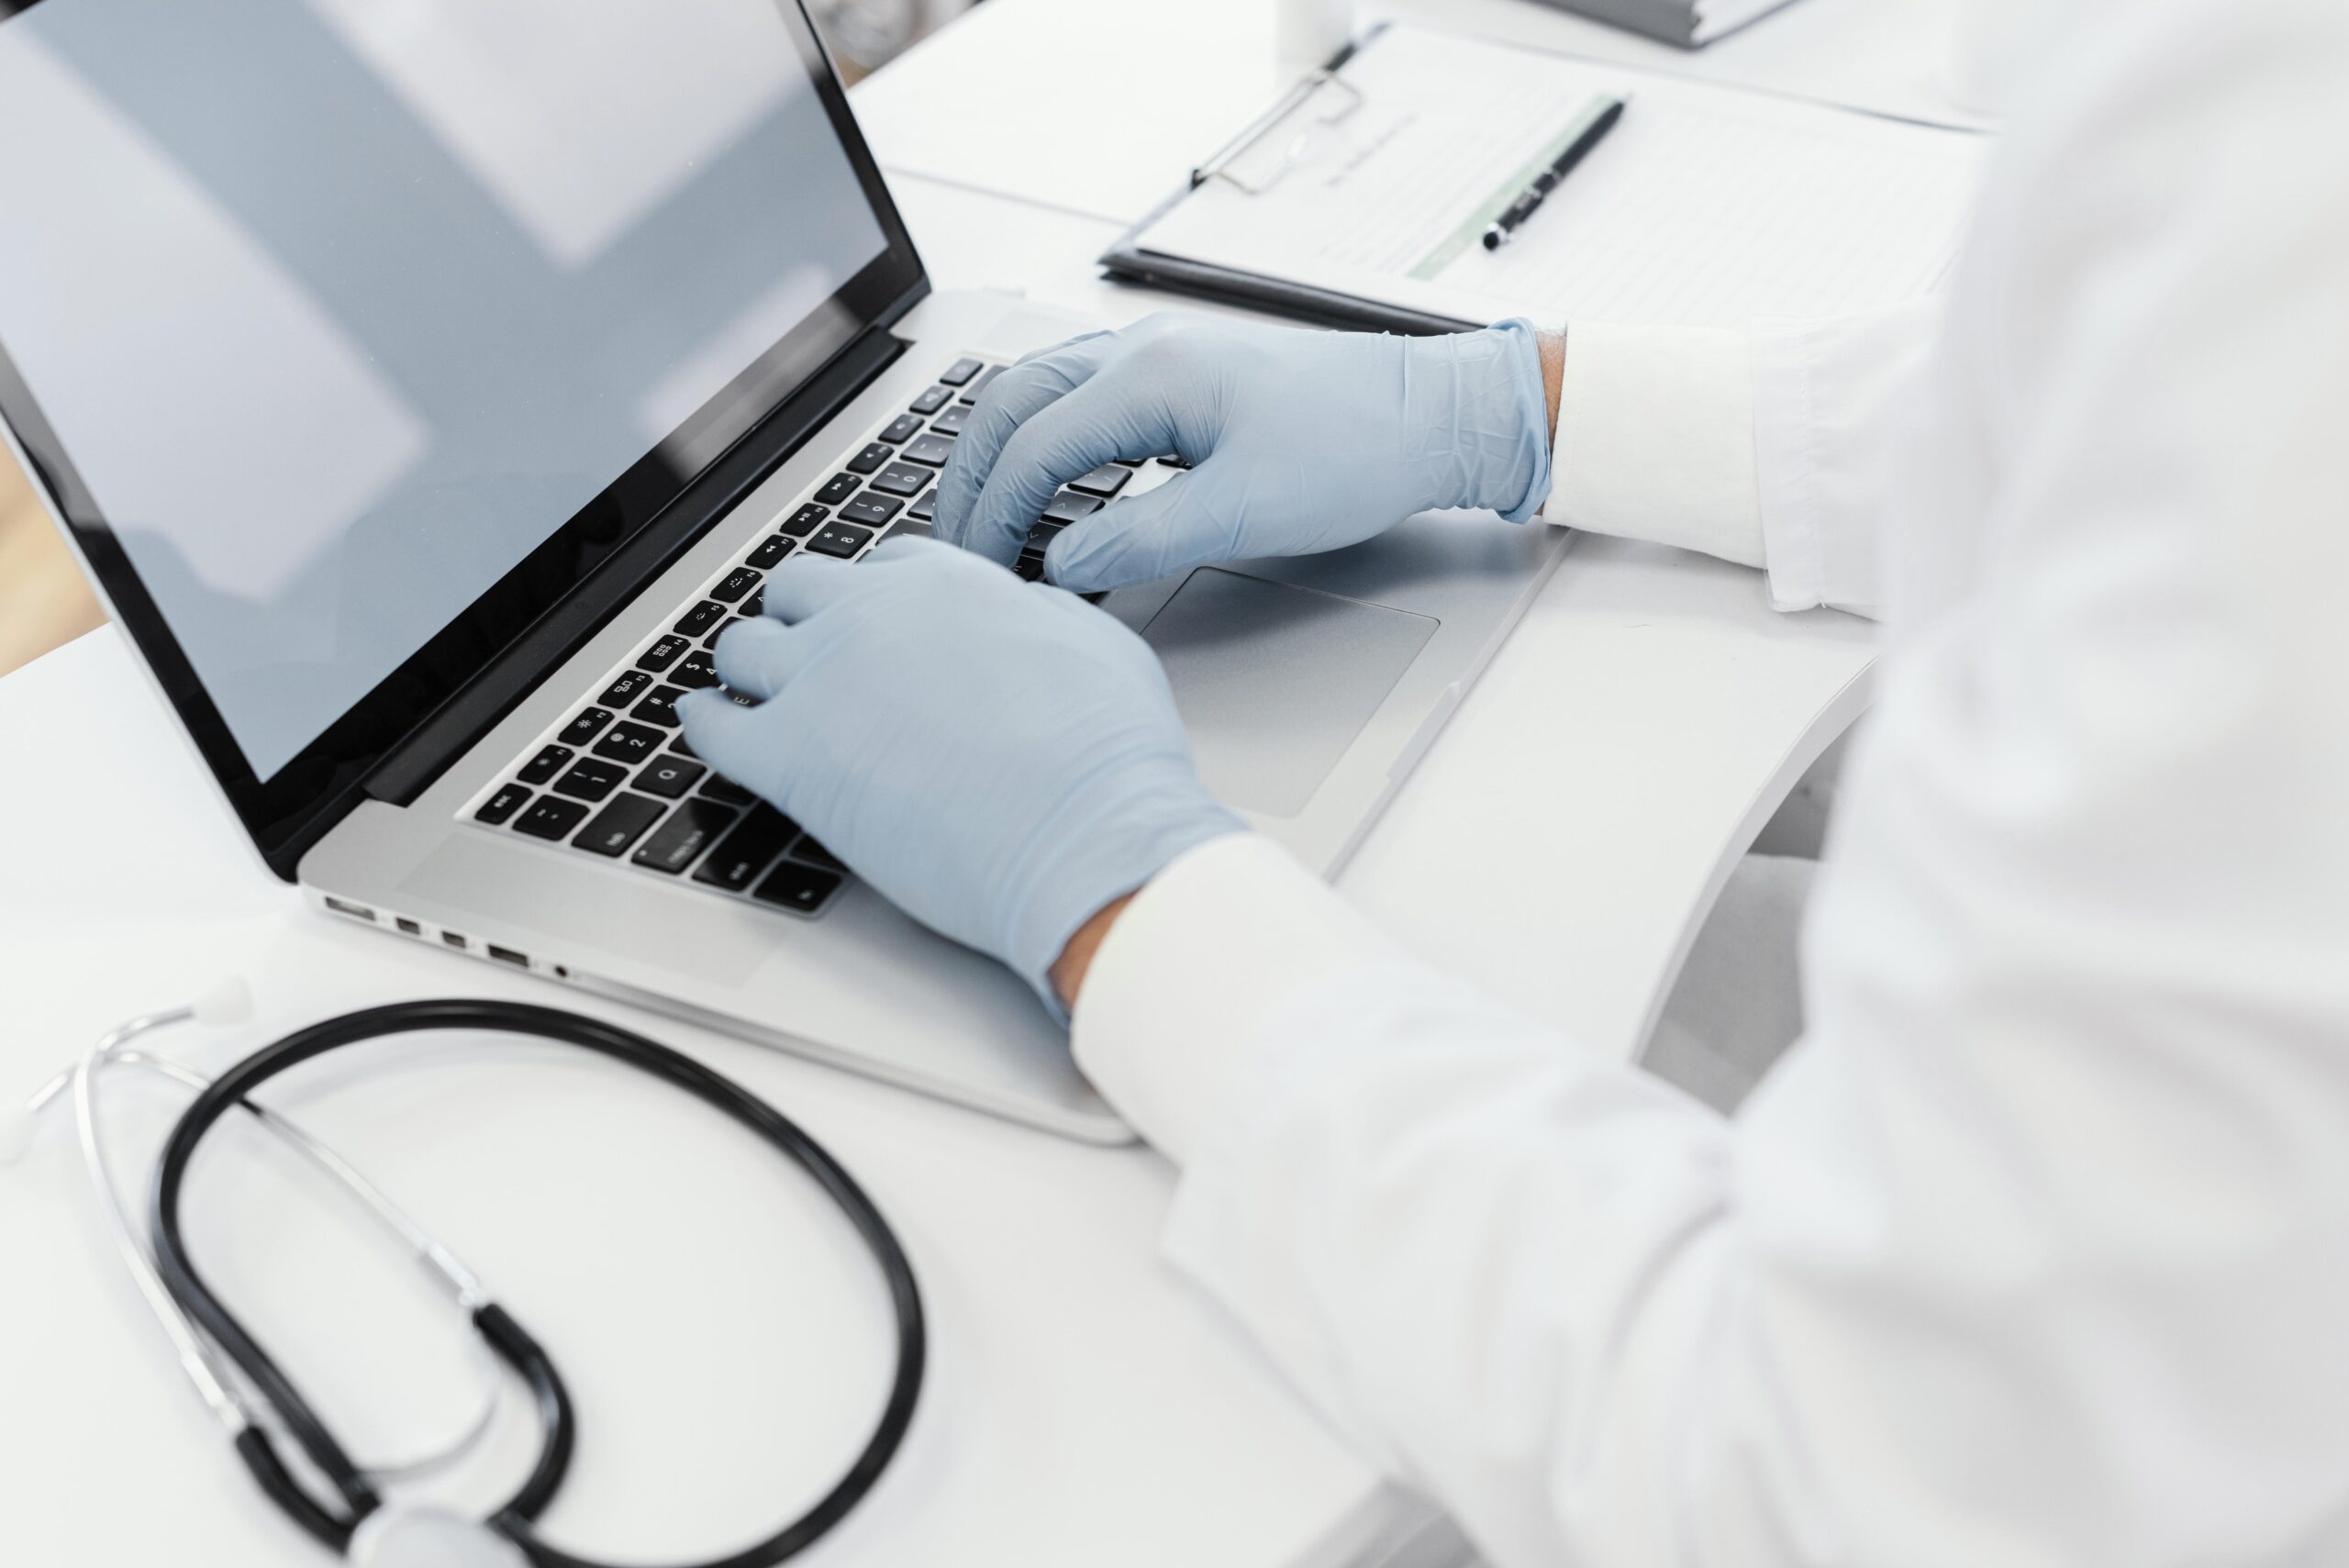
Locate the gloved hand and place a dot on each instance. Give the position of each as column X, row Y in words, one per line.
column 999, row 758
column 1298, row 441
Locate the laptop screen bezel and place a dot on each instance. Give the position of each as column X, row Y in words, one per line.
column 289, row 810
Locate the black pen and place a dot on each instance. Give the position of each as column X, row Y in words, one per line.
column 1505, row 227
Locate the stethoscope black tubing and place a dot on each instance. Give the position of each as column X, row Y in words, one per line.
column 187, row 1287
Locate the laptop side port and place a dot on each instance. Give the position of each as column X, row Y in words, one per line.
column 345, row 907
column 407, row 927
column 453, row 938
column 508, row 955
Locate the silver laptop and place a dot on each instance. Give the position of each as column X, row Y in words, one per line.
column 425, row 390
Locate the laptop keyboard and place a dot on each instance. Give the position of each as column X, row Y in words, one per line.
column 614, row 778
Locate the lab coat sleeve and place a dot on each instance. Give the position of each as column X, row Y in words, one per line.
column 2035, row 1249
column 1770, row 448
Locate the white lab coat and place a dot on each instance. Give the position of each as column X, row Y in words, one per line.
column 2035, row 1249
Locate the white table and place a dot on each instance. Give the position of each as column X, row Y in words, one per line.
column 1560, row 843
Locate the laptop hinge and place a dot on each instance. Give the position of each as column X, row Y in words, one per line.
column 435, row 744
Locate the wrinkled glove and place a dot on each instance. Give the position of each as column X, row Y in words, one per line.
column 1298, row 441
column 999, row 758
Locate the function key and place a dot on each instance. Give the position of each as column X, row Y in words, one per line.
column 664, row 653
column 503, row 804
column 960, row 373
column 1070, row 508
column 726, row 792
column 737, row 583
column 931, row 449
column 630, row 743
column 755, row 606
column 658, row 706
column 622, row 691
column 971, row 394
column 801, row 889
column 701, row 618
column 806, row 517
column 710, row 641
column 619, row 825
column 925, row 510
column 551, row 818
column 936, row 398
column 871, row 457
column 902, row 429
column 591, row 780
column 695, row 673
column 545, row 766
column 749, row 849
column 905, row 479
column 837, row 489
column 670, row 776
column 951, row 423
column 767, row 555
column 685, row 836
column 839, row 540
column 1106, row 480
column 586, row 727
column 869, row 510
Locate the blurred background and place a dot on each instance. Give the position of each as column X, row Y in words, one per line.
column 43, row 601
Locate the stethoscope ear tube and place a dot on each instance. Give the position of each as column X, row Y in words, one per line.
column 503, row 1334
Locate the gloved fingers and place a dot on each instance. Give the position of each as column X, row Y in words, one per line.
column 1014, row 397
column 805, row 583
column 1184, row 522
column 726, row 738
column 759, row 657
column 1106, row 418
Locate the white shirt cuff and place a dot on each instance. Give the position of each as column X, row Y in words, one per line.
column 1173, row 1005
column 1655, row 439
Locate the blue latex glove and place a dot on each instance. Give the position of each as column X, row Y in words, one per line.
column 999, row 758
column 1298, row 441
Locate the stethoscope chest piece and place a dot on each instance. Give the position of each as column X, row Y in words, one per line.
column 399, row 1536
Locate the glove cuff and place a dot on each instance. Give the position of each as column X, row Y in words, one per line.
column 1478, row 415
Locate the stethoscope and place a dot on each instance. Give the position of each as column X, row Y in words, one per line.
column 254, row 1401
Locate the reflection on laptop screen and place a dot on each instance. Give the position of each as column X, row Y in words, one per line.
column 342, row 307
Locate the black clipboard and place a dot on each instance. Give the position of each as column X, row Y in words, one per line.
column 1129, row 261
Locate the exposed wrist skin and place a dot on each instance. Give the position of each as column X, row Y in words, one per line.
column 1076, row 961
column 1553, row 373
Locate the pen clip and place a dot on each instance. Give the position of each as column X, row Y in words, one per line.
column 1219, row 166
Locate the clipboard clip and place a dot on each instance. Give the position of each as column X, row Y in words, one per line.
column 1306, row 89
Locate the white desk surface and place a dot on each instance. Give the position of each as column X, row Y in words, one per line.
column 722, row 1339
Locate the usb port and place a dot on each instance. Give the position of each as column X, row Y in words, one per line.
column 508, row 955
column 345, row 907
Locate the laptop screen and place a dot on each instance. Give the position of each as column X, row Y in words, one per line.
column 341, row 309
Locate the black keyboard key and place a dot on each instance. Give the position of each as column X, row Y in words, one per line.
column 670, row 776
column 545, row 766
column 622, row 691
column 619, row 825
column 586, row 727
column 871, row 457
column 551, row 818
column 951, row 423
column 755, row 605
column 925, row 510
column 807, row 516
column 901, row 479
column 1069, row 507
column 736, row 584
column 802, row 889
column 960, row 373
column 710, row 641
column 869, row 510
column 764, row 558
column 986, row 379
column 1170, row 461
column 590, row 780
column 685, row 836
column 908, row 528
column 1126, row 461
column 695, row 672
column 677, row 743
column 1029, row 567
column 658, row 706
column 936, row 398
column 630, row 743
column 701, row 618
column 1041, row 536
column 749, row 849
column 902, row 429
column 839, row 540
column 837, row 489
column 1105, row 481
column 503, row 804
column 726, row 792
column 931, row 449
column 664, row 653
column 815, row 854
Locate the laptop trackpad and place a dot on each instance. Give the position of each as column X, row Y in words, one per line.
column 1276, row 681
